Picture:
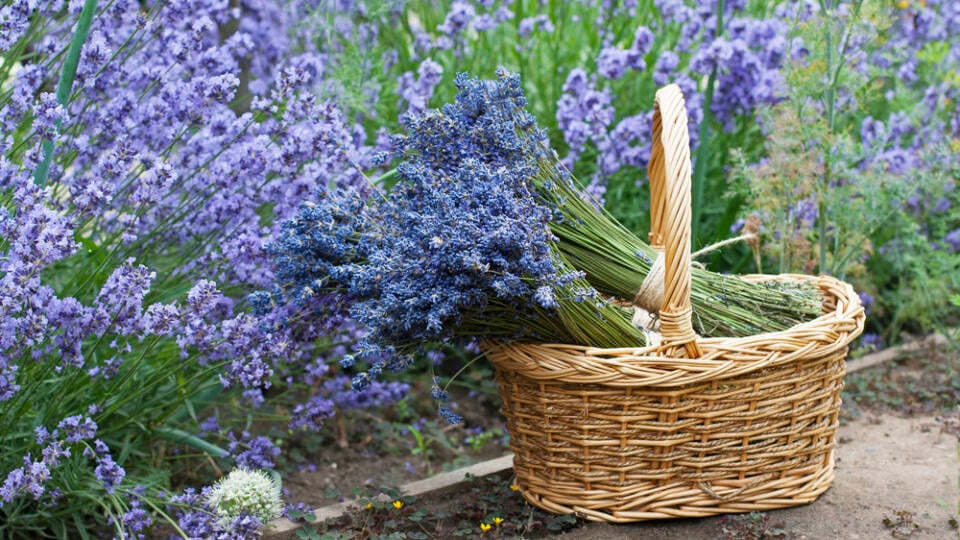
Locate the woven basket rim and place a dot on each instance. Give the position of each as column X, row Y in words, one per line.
column 722, row 357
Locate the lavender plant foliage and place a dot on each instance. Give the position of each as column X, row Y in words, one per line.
column 122, row 278
column 890, row 167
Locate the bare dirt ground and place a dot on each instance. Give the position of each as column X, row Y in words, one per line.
column 340, row 470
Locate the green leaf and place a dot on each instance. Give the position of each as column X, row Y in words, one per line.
column 65, row 84
column 307, row 532
column 81, row 529
column 182, row 437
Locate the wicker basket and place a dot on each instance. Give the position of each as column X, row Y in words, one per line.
column 695, row 426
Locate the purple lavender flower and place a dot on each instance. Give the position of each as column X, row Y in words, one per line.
column 310, row 415
column 27, row 479
column 243, row 527
column 457, row 19
column 673, row 11
column 469, row 223
column 871, row 342
column 449, row 416
column 135, row 521
column 211, row 424
column 161, row 319
column 484, row 23
column 324, row 233
column 628, row 145
column 14, row 21
column 121, row 297
column 530, row 25
column 438, row 393
column 378, row 394
column 47, row 115
column 952, row 239
column 612, row 62
column 36, row 474
column 662, row 70
column 804, row 213
column 872, row 133
column 109, row 473
column 78, row 428
column 583, row 113
column 417, row 93
column 897, row 160
column 252, row 372
column 201, row 522
column 253, row 452
column 577, row 82
column 454, row 27
column 643, row 40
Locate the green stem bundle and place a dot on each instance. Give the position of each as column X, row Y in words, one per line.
column 616, row 262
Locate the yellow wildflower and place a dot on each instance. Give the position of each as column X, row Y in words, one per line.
column 484, row 527
column 903, row 4
column 398, row 504
column 497, row 521
column 514, row 487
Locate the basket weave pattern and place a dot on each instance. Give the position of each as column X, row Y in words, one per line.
column 695, row 426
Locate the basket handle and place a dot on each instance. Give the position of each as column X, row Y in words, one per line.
column 669, row 173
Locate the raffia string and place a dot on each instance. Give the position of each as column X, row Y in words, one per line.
column 649, row 299
column 650, row 295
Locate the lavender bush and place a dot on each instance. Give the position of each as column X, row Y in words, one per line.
column 125, row 264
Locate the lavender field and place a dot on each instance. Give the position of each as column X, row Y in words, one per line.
column 229, row 229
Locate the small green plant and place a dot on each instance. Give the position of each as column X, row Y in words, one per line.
column 480, row 440
column 752, row 526
column 309, row 532
column 902, row 524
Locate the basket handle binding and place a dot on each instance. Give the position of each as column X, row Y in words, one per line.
column 669, row 172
